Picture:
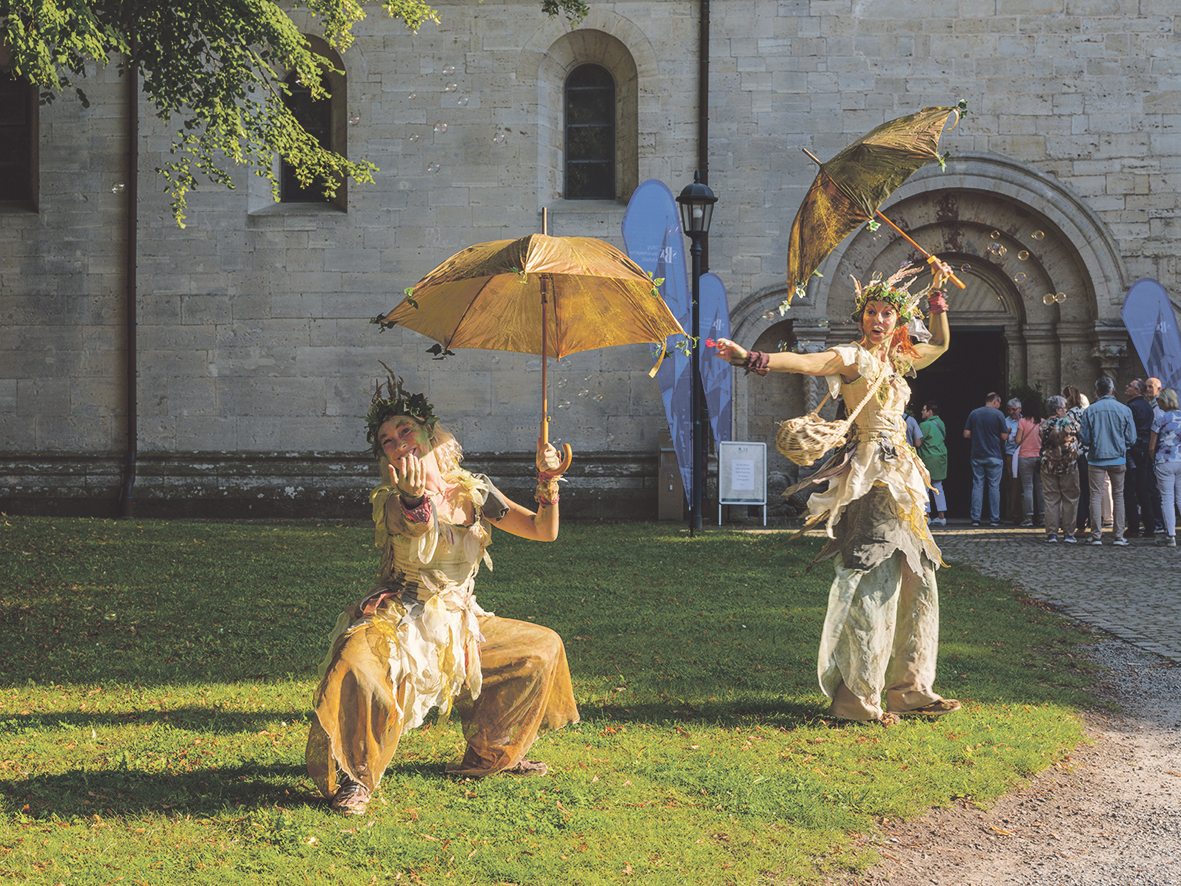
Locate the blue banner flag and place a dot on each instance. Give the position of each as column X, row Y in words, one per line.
column 716, row 375
column 1148, row 315
column 653, row 240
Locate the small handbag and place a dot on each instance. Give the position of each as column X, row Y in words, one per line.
column 806, row 438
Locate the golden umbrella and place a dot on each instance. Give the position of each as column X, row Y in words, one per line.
column 550, row 296
column 850, row 187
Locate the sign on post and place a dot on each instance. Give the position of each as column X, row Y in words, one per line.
column 742, row 475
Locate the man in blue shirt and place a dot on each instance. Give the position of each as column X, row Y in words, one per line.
column 1010, row 484
column 1107, row 430
column 988, row 432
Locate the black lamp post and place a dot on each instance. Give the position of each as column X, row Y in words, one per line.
column 697, row 208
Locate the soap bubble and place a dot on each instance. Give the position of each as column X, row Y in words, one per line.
column 355, row 119
column 412, row 96
column 499, row 138
column 1060, row 297
column 462, row 101
column 995, row 235
column 1037, row 235
column 562, row 382
column 582, row 392
column 111, row 615
column 433, row 168
column 563, row 404
column 1023, row 255
column 998, row 250
column 610, row 438
column 118, row 188
column 440, row 127
column 598, row 398
column 965, row 268
column 448, row 70
column 1048, row 298
column 450, row 87
column 822, row 323
column 1018, row 278
column 415, row 137
column 770, row 315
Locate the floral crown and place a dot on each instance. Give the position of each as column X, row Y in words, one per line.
column 892, row 291
column 396, row 402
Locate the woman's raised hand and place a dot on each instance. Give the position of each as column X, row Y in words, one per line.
column 409, row 476
column 548, row 460
column 730, row 352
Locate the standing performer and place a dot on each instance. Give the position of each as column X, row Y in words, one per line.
column 419, row 639
column 884, row 601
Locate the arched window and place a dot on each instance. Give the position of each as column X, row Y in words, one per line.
column 325, row 120
column 590, row 134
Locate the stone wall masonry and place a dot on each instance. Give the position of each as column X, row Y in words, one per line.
column 253, row 320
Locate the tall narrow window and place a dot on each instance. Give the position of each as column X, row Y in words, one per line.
column 18, row 141
column 590, row 134
column 316, row 118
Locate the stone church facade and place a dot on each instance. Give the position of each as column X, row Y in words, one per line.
column 253, row 352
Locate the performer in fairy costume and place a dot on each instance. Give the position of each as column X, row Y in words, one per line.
column 419, row 639
column 883, row 603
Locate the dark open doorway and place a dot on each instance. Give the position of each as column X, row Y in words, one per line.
column 959, row 380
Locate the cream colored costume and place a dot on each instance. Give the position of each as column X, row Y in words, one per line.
column 420, row 640
column 883, row 602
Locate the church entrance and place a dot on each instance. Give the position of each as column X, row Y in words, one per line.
column 958, row 381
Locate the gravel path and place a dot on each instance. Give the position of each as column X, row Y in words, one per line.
column 1110, row 815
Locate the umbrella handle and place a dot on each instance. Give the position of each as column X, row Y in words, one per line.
column 567, row 452
column 930, row 258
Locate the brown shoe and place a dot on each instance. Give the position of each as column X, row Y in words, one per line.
column 934, row 709
column 351, row 798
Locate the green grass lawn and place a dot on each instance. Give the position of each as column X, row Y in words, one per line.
column 156, row 681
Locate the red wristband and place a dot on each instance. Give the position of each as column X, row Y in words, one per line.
column 936, row 303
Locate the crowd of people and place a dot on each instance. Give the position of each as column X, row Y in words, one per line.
column 1084, row 466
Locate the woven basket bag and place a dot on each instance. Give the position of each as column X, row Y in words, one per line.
column 805, row 438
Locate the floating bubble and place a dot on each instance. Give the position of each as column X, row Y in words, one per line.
column 562, row 382
column 499, row 138
column 450, row 87
column 563, row 404
column 415, row 137
column 462, row 101
column 1060, row 297
column 117, row 188
column 995, row 235
column 448, row 70
column 822, row 323
column 1037, row 235
column 433, row 168
column 1022, row 255
column 583, row 392
column 566, row 363
column 598, row 398
column 1018, row 278
column 355, row 119
column 610, row 438
column 1048, row 298
column 770, row 315
column 440, row 127
column 412, row 96
column 965, row 268
column 112, row 615
column 495, row 360
column 997, row 250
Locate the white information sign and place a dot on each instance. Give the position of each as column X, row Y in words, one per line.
column 742, row 475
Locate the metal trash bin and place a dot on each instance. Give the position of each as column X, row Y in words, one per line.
column 670, row 490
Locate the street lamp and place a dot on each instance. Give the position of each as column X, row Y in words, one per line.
column 697, row 208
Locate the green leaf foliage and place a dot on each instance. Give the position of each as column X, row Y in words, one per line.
column 213, row 69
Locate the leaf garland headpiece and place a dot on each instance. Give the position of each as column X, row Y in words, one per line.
column 893, row 292
column 397, row 401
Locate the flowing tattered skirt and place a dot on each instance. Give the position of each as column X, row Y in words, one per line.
column 362, row 702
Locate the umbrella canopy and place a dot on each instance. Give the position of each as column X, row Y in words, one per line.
column 851, row 186
column 490, row 296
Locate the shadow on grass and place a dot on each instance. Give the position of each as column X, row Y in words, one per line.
column 785, row 714
column 81, row 793
column 214, row 720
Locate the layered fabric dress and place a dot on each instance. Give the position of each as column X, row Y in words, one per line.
column 883, row 603
column 419, row 640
